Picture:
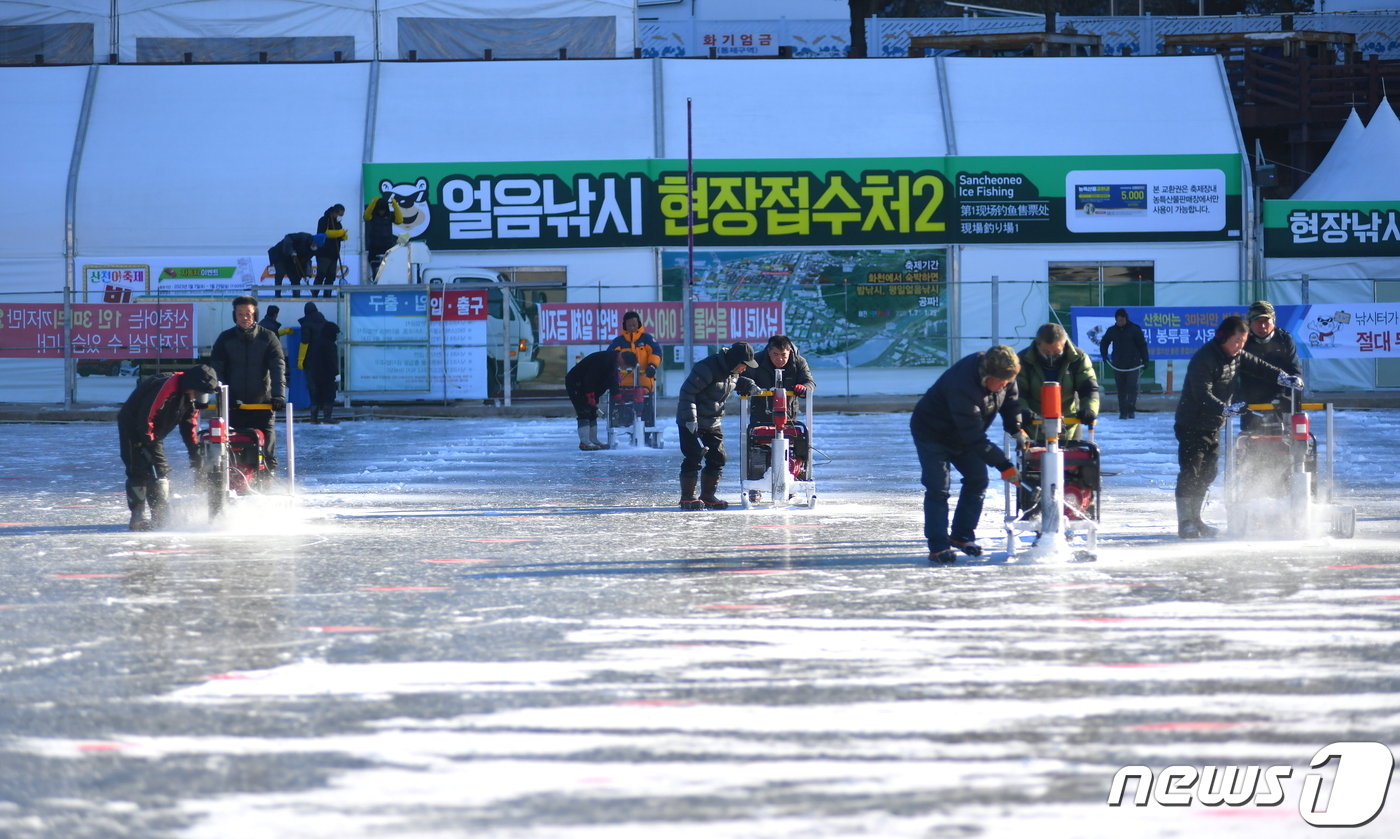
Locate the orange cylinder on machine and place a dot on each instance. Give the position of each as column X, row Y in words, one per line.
column 1302, row 426
column 1050, row 400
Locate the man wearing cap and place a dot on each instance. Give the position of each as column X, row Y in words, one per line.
column 1268, row 343
column 698, row 417
column 950, row 425
column 1124, row 349
column 291, row 258
column 154, row 408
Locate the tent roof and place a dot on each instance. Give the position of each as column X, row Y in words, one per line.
column 1362, row 165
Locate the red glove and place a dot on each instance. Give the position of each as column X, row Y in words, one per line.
column 799, row 389
column 592, row 399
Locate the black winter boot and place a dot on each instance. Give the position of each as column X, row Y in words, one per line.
column 709, row 482
column 1186, row 527
column 688, row 500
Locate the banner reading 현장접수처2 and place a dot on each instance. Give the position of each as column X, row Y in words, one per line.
column 858, row 202
column 1320, row 330
column 858, row 308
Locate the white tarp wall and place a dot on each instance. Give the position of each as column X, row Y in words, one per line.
column 198, row 160
column 314, row 30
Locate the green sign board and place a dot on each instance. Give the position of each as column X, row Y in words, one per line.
column 858, row 202
column 1331, row 228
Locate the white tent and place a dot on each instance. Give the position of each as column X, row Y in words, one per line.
column 1362, row 165
column 225, row 159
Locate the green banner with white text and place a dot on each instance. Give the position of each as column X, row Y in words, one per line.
column 815, row 202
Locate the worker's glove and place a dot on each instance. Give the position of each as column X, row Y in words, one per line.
column 1234, row 409
column 1087, row 416
column 693, row 427
column 651, row 371
column 279, row 403
column 1023, row 441
column 1010, row 474
column 592, row 399
column 196, row 461
column 1289, row 380
column 800, row 390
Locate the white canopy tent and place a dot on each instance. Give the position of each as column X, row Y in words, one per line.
column 1362, row 165
column 225, row 159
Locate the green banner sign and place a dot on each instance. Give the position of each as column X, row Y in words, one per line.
column 1331, row 228
column 854, row 201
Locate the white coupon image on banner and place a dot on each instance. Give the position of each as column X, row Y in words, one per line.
column 1144, row 200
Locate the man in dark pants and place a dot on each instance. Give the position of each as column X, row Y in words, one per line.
column 698, row 416
column 1124, row 349
column 1207, row 402
column 249, row 359
column 950, row 430
column 155, row 407
column 780, row 353
column 586, row 382
column 1268, row 343
column 291, row 258
column 319, row 357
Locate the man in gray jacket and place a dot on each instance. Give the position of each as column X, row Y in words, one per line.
column 698, row 417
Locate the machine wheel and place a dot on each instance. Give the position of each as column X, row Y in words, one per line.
column 654, row 440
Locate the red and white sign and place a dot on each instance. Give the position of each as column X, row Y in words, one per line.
column 722, row 322
column 100, row 330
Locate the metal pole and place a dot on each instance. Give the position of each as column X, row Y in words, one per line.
column 687, row 308
column 291, row 454
column 70, row 239
column 996, row 336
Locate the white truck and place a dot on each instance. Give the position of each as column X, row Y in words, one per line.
column 512, row 321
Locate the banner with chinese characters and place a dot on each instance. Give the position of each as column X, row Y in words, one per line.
column 859, row 308
column 823, row 202
column 716, row 322
column 1320, row 330
column 100, row 330
column 1331, row 228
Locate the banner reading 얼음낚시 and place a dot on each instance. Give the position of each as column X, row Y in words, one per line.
column 851, row 202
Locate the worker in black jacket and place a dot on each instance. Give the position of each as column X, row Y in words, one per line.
column 1269, row 343
column 291, row 258
column 250, row 360
column 950, row 425
column 779, row 354
column 699, row 414
column 157, row 405
column 1207, row 402
column 1124, row 349
column 586, row 382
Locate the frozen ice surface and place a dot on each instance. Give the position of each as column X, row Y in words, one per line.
column 471, row 628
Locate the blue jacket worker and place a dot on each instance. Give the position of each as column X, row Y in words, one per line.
column 950, row 430
column 698, row 417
